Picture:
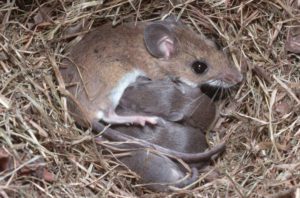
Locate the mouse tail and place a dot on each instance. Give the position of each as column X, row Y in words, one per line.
column 115, row 135
column 188, row 181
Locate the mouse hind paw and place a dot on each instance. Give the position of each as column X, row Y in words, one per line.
column 113, row 118
column 142, row 120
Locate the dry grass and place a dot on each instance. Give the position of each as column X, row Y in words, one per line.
column 44, row 154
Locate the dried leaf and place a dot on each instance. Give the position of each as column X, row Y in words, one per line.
column 296, row 88
column 261, row 73
column 48, row 176
column 5, row 101
column 42, row 15
column 38, row 169
column 4, row 160
column 293, row 40
column 73, row 30
column 3, row 55
column 40, row 130
column 283, row 108
column 269, row 145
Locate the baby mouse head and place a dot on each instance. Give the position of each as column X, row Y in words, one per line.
column 186, row 55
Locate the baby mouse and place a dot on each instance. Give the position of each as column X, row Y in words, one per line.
column 158, row 172
column 187, row 114
column 169, row 100
column 103, row 64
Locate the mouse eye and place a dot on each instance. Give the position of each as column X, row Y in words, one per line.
column 199, row 67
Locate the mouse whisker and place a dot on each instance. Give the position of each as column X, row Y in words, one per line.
column 216, row 93
column 159, row 86
column 197, row 99
column 199, row 103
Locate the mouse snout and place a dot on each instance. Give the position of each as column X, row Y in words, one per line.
column 226, row 79
column 232, row 78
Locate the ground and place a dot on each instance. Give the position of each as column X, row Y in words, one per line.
column 42, row 152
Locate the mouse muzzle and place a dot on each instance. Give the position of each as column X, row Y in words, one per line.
column 220, row 87
column 225, row 80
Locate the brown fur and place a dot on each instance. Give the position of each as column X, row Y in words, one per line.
column 105, row 55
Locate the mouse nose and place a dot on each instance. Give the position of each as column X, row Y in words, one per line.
column 234, row 77
column 239, row 77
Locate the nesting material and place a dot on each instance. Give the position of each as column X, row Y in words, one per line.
column 42, row 152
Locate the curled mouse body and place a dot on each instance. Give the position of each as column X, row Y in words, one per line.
column 181, row 132
column 186, row 111
column 107, row 60
column 115, row 135
column 158, row 172
column 172, row 101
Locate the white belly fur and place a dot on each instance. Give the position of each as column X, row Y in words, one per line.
column 116, row 94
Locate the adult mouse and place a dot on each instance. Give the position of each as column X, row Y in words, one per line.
column 102, row 65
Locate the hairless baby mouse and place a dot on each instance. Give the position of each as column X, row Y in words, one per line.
column 109, row 58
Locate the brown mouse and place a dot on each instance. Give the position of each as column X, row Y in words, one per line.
column 102, row 65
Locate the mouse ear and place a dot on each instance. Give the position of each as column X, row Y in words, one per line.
column 172, row 21
column 175, row 116
column 160, row 41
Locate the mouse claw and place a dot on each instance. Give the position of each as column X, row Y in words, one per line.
column 161, row 122
column 142, row 120
column 153, row 120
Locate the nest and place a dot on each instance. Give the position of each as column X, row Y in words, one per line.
column 43, row 153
